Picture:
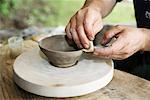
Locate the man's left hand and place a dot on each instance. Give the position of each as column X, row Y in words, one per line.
column 129, row 41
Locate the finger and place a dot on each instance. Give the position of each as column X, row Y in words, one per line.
column 115, row 57
column 74, row 33
column 119, row 56
column 67, row 30
column 119, row 45
column 120, row 50
column 111, row 33
column 116, row 48
column 102, row 52
column 83, row 38
column 80, row 30
column 75, row 38
column 89, row 21
column 97, row 26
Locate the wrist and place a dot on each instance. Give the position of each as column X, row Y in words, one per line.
column 146, row 39
column 95, row 4
column 104, row 7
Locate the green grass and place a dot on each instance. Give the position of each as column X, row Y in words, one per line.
column 122, row 13
column 58, row 12
column 62, row 10
column 55, row 12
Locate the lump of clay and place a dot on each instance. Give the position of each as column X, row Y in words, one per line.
column 90, row 49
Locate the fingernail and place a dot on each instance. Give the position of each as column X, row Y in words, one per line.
column 86, row 46
column 80, row 46
column 91, row 38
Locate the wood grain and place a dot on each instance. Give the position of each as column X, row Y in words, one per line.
column 124, row 86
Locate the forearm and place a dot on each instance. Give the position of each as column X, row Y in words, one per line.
column 146, row 32
column 104, row 6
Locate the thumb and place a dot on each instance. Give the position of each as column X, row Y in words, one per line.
column 90, row 19
column 97, row 26
column 113, row 32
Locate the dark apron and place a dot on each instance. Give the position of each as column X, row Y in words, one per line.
column 139, row 63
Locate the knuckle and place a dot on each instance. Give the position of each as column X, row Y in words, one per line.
column 72, row 30
column 85, row 23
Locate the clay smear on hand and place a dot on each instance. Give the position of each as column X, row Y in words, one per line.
column 90, row 49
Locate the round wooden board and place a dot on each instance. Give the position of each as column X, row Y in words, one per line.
column 33, row 73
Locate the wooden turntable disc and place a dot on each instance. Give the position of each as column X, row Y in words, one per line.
column 33, row 73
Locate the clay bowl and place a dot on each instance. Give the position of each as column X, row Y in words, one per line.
column 58, row 51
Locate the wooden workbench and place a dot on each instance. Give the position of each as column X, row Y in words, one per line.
column 124, row 86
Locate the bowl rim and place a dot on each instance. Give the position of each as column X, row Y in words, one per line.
column 57, row 51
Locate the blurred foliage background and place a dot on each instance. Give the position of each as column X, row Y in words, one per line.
column 47, row 13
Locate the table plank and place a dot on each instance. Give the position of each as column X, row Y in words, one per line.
column 124, row 86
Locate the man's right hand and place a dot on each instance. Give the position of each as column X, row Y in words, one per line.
column 84, row 25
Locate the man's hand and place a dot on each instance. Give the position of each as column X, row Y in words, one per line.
column 129, row 41
column 83, row 26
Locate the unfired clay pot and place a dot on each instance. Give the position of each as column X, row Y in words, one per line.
column 58, row 52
